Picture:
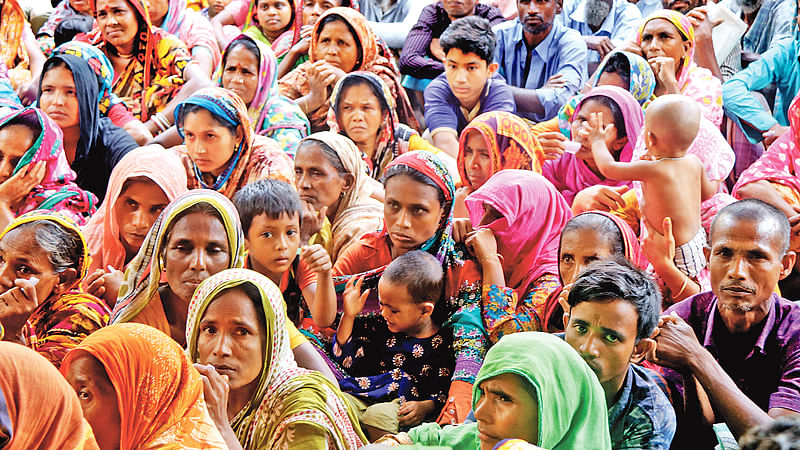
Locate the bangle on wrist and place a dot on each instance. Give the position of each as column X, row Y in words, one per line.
column 683, row 288
column 498, row 255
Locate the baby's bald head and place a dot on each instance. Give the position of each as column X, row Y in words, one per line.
column 673, row 120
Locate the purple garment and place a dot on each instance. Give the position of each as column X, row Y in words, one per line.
column 416, row 59
column 442, row 109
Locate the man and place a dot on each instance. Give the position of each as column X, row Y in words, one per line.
column 392, row 19
column 543, row 61
column 604, row 24
column 613, row 309
column 734, row 352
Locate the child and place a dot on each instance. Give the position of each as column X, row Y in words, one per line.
column 214, row 7
column 468, row 87
column 400, row 368
column 673, row 182
column 270, row 214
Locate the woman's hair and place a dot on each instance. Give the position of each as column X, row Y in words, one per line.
column 334, row 18
column 602, row 226
column 245, row 42
column 618, row 63
column 189, row 108
column 63, row 246
column 619, row 119
column 330, row 154
column 251, row 291
column 416, row 175
column 355, row 80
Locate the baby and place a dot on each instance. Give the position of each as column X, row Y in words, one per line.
column 673, row 182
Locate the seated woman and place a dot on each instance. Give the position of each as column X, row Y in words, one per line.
column 490, row 143
column 39, row 408
column 45, row 257
column 138, row 389
column 521, row 393
column 341, row 42
column 221, row 152
column 68, row 93
column 189, row 26
column 65, row 9
column 34, row 173
column 20, row 52
column 336, row 193
column 269, row 402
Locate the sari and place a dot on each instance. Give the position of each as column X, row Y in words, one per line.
column 257, row 157
column 292, row 36
column 374, row 58
column 159, row 392
column 13, row 53
column 527, row 236
column 102, row 232
column 61, row 322
column 38, row 408
column 191, row 27
column 286, row 396
column 271, row 114
column 57, row 190
column 46, row 32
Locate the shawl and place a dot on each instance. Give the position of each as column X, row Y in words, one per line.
column 285, row 395
column 38, row 408
column 534, row 213
column 290, row 37
column 358, row 213
column 190, row 27
column 159, row 392
column 572, row 410
column 510, row 141
column 57, row 191
column 101, row 66
column 153, row 162
column 142, row 276
column 251, row 21
column 12, row 26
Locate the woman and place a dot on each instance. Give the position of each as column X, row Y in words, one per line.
column 249, row 69
column 335, row 190
column 68, row 93
column 20, row 52
column 271, row 403
column 64, row 10
column 38, row 408
column 44, row 258
column 174, row 17
column 34, row 173
column 138, row 389
column 521, row 393
column 490, row 143
column 342, row 38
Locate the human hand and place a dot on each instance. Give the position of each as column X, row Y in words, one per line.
column 215, row 391
column 17, row 187
column 413, row 413
column 632, row 47
column 321, row 78
column 599, row 198
column 593, row 130
column 702, row 24
column 436, row 50
column 139, row 132
column 27, row 91
column 794, row 222
column 461, row 229
column 316, row 258
column 553, row 144
column 481, row 243
column 676, row 344
column 17, row 304
column 773, row 133
column 659, row 248
column 354, row 300
column 600, row 44
column 563, row 296
column 555, row 82
column 664, row 70
column 105, row 284
column 311, row 221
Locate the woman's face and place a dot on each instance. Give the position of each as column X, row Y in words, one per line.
column 274, row 16
column 98, row 399
column 157, row 9
column 337, row 46
column 588, row 108
column 82, row 6
column 196, row 249
column 318, row 182
column 360, row 114
column 579, row 248
column 136, row 209
column 612, row 79
column 15, row 140
column 312, row 9
column 506, row 409
column 208, row 142
column 232, row 339
column 412, row 212
column 117, row 22
column 477, row 159
column 59, row 99
column 21, row 258
column 240, row 74
column 661, row 38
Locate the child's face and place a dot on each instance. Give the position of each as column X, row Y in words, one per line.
column 272, row 243
column 274, row 16
column 312, row 9
column 216, row 6
column 397, row 307
column 467, row 74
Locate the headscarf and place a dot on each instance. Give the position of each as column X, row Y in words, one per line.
column 38, row 408
column 143, row 273
column 686, row 31
column 101, row 66
column 153, row 162
column 57, row 191
column 509, row 139
column 286, row 41
column 252, row 29
column 175, row 15
column 12, row 27
column 285, row 395
column 159, row 392
column 534, row 213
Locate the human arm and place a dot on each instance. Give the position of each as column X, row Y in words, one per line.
column 307, row 357
column 483, row 245
column 204, row 58
column 16, row 306
column 597, row 134
column 321, row 79
column 414, row 58
column 215, row 391
column 394, row 34
column 321, row 296
column 412, row 413
column 27, row 91
column 599, row 197
column 352, row 303
column 167, row 139
column 659, row 249
column 762, row 190
column 441, row 115
column 297, row 51
column 194, row 79
column 707, row 187
column 16, row 189
column 446, row 139
column 218, row 22
column 105, row 284
column 704, row 55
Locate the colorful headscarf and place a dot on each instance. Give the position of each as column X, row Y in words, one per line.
column 12, row 26
column 285, row 395
column 251, row 21
column 686, row 30
column 101, row 66
column 143, row 273
column 509, row 139
column 159, row 392
column 153, row 162
column 288, row 39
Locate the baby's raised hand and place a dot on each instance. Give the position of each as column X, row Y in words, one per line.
column 354, row 300
column 594, row 130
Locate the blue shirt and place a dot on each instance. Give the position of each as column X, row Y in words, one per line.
column 772, row 23
column 443, row 110
column 562, row 51
column 642, row 416
column 619, row 26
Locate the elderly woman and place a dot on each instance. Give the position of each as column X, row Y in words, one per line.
column 268, row 402
column 43, row 259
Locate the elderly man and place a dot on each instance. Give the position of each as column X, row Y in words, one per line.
column 734, row 353
column 604, row 24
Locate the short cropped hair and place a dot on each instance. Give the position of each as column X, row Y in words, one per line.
column 755, row 210
column 420, row 273
column 471, row 34
column 72, row 26
column 270, row 197
column 617, row 278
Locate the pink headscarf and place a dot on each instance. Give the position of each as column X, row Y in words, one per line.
column 528, row 234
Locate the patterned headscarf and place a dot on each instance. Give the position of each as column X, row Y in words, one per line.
column 101, row 66
column 286, row 41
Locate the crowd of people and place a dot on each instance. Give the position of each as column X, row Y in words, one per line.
column 335, row 224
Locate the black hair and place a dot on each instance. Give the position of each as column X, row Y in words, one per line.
column 243, row 41
column 355, row 79
column 617, row 278
column 334, row 18
column 72, row 26
column 420, row 273
column 602, row 225
column 416, row 175
column 619, row 119
column 471, row 34
column 618, row 63
column 270, row 197
column 783, row 433
column 754, row 210
column 251, row 291
column 330, row 154
column 189, row 108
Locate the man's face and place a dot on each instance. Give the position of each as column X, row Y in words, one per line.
column 537, row 16
column 750, row 6
column 459, row 8
column 684, row 6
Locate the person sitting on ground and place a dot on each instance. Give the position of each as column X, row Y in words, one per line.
column 392, row 20
column 66, row 9
column 189, row 26
column 469, row 85
column 400, row 366
column 71, row 27
column 604, row 24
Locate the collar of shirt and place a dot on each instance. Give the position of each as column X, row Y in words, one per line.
column 608, row 26
column 545, row 47
column 769, row 324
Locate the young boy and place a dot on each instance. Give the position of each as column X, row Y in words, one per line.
column 469, row 86
column 400, row 368
column 270, row 214
column 613, row 310
column 673, row 182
